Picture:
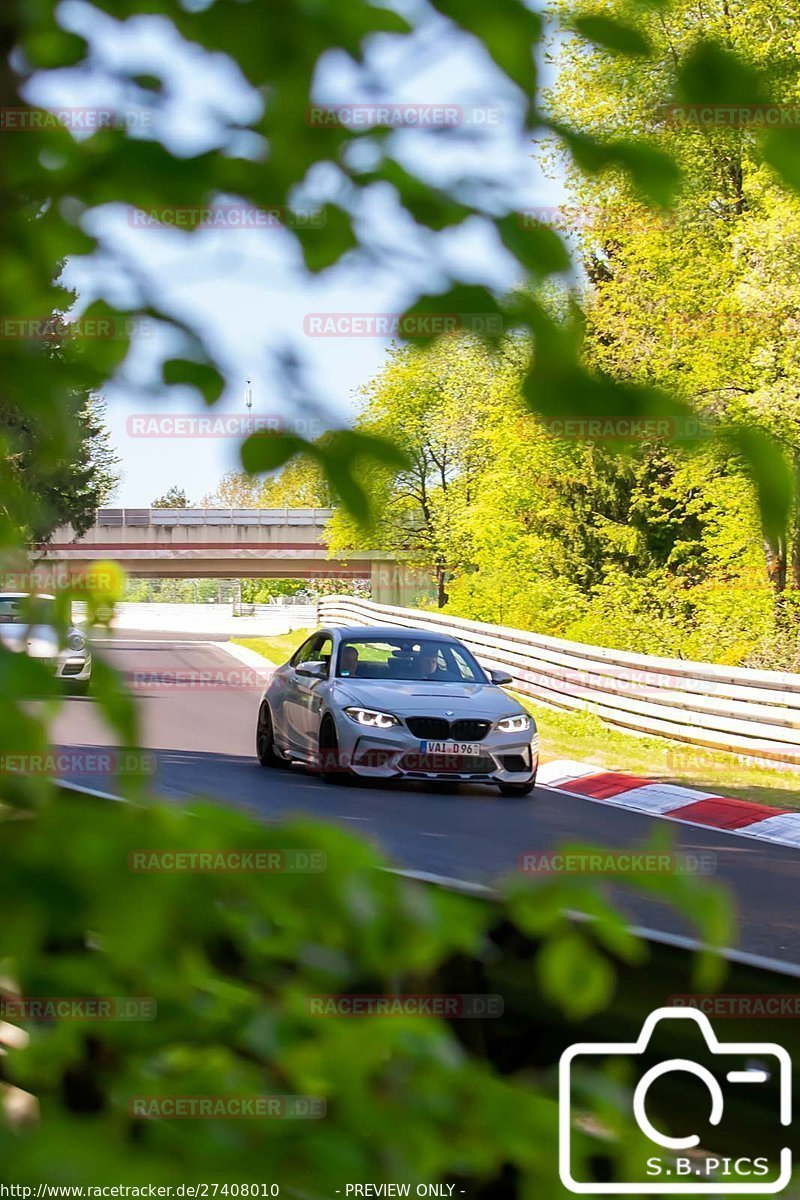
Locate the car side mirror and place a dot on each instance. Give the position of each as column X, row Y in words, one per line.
column 501, row 678
column 314, row 670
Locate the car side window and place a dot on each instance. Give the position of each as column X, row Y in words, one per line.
column 464, row 669
column 323, row 651
column 306, row 652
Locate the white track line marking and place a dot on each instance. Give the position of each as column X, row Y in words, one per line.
column 479, row 889
column 87, row 791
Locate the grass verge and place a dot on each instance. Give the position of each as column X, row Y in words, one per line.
column 279, row 648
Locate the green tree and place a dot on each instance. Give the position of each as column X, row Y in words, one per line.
column 174, row 497
column 235, row 490
column 64, row 489
column 702, row 298
column 433, row 404
column 639, row 546
column 300, row 484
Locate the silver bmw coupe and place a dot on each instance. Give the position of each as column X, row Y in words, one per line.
column 383, row 703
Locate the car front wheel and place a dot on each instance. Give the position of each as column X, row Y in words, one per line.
column 330, row 767
column 266, row 753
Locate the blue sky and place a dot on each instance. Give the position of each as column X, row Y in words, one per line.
column 245, row 290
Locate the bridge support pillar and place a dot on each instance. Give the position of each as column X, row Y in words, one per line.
column 395, row 583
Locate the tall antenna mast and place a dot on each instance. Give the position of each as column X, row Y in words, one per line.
column 248, row 396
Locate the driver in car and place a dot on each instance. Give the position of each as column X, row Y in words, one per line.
column 427, row 665
column 349, row 661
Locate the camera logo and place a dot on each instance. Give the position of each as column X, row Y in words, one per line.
column 756, row 1063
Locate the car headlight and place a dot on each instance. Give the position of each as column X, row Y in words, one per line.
column 76, row 641
column 368, row 716
column 518, row 724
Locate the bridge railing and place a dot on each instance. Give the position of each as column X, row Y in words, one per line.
column 119, row 517
column 733, row 709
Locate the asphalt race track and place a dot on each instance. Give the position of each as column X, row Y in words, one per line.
column 203, row 740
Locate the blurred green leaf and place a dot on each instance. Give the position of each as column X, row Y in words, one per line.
column 509, row 29
column 267, row 450
column 328, row 239
column 539, row 248
column 428, row 205
column 652, row 171
column 574, row 976
column 465, row 308
column 766, row 463
column 52, row 48
column 711, row 74
column 611, row 34
column 782, row 151
column 202, row 376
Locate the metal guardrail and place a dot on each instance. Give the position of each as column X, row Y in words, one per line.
column 305, row 614
column 120, row 517
column 733, row 709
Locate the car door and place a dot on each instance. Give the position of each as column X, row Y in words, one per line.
column 311, row 694
column 295, row 696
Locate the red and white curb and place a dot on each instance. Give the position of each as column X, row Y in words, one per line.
column 669, row 800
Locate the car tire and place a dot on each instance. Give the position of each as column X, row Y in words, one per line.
column 329, row 753
column 517, row 789
column 266, row 753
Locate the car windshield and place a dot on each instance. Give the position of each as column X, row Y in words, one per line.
column 26, row 610
column 424, row 660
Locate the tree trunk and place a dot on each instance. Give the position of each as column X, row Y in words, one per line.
column 776, row 565
column 441, row 592
column 794, row 533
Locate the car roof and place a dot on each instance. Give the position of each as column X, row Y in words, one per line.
column 376, row 632
column 26, row 596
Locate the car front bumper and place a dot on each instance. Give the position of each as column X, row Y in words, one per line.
column 396, row 753
column 73, row 666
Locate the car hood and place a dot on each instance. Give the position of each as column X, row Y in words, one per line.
column 407, row 698
column 40, row 641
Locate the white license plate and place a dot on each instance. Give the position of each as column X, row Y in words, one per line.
column 469, row 748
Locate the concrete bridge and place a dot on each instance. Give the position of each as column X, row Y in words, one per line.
column 249, row 543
